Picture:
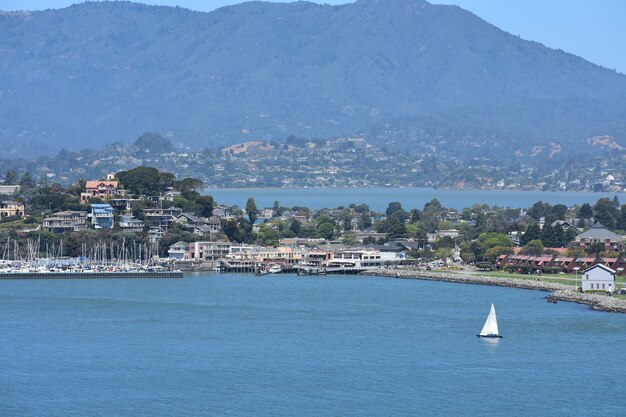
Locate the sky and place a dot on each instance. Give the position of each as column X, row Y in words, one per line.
column 594, row 30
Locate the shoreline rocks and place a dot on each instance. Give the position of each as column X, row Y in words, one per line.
column 558, row 292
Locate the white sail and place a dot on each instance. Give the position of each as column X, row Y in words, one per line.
column 491, row 324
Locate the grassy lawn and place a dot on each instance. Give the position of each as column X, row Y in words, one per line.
column 567, row 279
column 11, row 225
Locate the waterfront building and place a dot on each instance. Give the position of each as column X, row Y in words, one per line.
column 598, row 278
column 179, row 251
column 209, row 251
column 11, row 209
column 66, row 221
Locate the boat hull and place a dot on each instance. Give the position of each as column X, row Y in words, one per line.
column 492, row 336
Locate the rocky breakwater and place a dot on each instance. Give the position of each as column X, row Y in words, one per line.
column 595, row 301
column 558, row 292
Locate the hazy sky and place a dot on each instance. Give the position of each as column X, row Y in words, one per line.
column 594, row 30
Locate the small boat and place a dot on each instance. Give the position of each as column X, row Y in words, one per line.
column 490, row 329
column 275, row 269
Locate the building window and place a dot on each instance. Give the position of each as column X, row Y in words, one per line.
column 602, row 286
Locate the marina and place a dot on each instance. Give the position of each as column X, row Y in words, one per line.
column 100, row 261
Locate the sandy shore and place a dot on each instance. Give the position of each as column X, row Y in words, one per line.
column 558, row 292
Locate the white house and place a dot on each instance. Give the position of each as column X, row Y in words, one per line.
column 598, row 278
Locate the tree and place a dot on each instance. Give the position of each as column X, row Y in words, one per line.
column 251, row 211
column 621, row 221
column 364, row 221
column 585, row 212
column 393, row 207
column 595, row 248
column 154, row 142
column 205, row 205
column 445, row 242
column 557, row 212
column 415, row 215
column 533, row 232
column 325, row 231
column 605, row 212
column 443, row 253
column 296, row 227
column 268, row 236
column 145, row 180
column 188, row 184
column 369, row 240
column 27, row 182
column 10, row 178
column 346, row 219
column 616, row 202
column 575, row 253
column 534, row 248
column 548, row 236
column 492, row 254
column 237, row 230
column 493, row 239
column 539, row 210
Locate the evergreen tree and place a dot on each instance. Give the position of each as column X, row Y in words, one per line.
column 605, row 212
column 10, row 178
column 251, row 211
column 559, row 237
column 585, row 212
column 548, row 236
column 533, row 232
column 621, row 221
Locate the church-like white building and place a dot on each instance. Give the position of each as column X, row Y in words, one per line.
column 598, row 278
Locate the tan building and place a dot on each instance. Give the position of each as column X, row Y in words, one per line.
column 66, row 221
column 11, row 208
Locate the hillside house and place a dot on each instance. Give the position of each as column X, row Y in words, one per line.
column 11, row 208
column 9, row 189
column 130, row 224
column 66, row 221
column 190, row 220
column 101, row 216
column 99, row 189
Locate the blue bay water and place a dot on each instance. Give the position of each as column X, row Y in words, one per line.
column 379, row 198
column 237, row 345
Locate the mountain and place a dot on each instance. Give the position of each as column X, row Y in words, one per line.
column 99, row 72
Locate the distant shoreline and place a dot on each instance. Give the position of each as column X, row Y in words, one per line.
column 558, row 292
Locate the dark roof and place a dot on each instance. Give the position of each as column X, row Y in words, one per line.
column 409, row 245
column 601, row 233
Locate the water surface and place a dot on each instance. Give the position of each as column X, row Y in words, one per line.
column 238, row 345
column 379, row 198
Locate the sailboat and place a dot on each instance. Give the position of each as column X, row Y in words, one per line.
column 490, row 329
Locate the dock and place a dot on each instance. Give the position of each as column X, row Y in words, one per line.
column 91, row 275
